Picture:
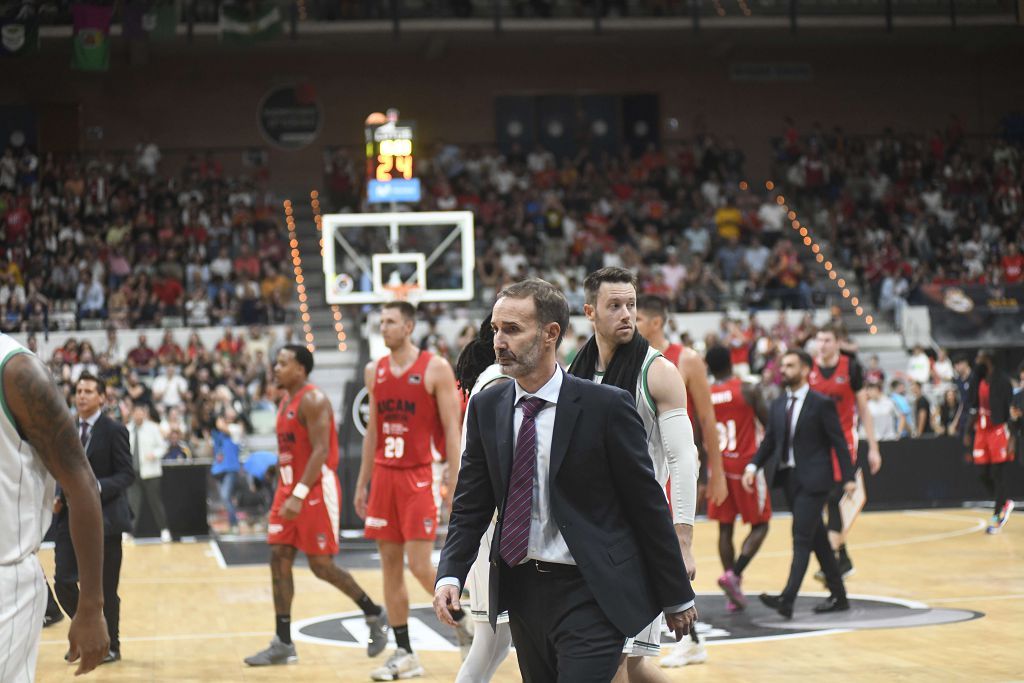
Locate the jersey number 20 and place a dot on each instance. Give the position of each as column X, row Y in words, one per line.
column 394, row 447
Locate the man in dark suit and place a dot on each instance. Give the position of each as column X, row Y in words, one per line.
column 803, row 427
column 584, row 552
column 106, row 447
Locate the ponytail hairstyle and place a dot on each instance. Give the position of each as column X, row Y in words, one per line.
column 476, row 357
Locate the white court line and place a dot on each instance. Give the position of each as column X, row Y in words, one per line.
column 979, row 598
column 978, row 525
column 217, row 555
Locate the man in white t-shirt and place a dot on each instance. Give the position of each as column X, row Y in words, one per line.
column 919, row 366
column 170, row 388
column 889, row 422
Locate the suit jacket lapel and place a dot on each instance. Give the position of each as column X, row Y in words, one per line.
column 503, row 433
column 565, row 419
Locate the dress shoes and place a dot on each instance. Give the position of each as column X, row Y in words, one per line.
column 832, row 604
column 776, row 603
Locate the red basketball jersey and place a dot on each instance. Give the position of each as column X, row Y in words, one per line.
column 737, row 431
column 293, row 446
column 406, row 414
column 673, row 352
column 838, row 387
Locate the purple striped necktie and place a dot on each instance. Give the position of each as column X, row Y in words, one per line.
column 515, row 528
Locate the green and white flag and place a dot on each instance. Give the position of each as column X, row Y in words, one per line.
column 91, row 42
column 249, row 22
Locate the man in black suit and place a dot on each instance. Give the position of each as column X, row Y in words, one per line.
column 803, row 427
column 584, row 551
column 106, row 447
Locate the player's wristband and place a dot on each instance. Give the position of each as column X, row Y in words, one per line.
column 751, row 467
column 300, row 491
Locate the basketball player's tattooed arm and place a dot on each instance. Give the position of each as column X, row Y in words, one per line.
column 694, row 372
column 316, row 415
column 755, row 399
column 369, row 445
column 441, row 382
column 43, row 420
column 669, row 393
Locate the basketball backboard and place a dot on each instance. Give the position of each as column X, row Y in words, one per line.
column 377, row 257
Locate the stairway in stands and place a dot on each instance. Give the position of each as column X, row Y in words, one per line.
column 333, row 366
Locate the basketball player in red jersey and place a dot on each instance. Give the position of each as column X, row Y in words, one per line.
column 411, row 391
column 651, row 313
column 988, row 401
column 307, row 504
column 840, row 377
column 737, row 405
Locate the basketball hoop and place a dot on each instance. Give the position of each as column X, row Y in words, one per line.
column 403, row 292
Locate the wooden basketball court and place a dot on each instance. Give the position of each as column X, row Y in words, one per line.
column 185, row 617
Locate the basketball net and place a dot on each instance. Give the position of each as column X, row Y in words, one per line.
column 403, row 292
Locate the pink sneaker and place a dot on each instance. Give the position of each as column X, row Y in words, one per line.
column 730, row 583
column 730, row 606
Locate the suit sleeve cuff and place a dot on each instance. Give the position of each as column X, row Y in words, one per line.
column 671, row 610
column 448, row 581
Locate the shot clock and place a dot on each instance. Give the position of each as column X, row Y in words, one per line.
column 390, row 154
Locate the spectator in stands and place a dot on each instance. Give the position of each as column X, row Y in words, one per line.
column 169, row 351
column 942, row 368
column 897, row 393
column 89, row 297
column 949, row 413
column 922, row 411
column 889, row 421
column 873, row 372
column 142, row 359
column 178, row 448
column 962, row 381
column 170, row 390
column 919, row 365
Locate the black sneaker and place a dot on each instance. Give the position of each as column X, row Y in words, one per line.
column 50, row 620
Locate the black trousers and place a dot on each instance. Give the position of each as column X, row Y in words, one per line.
column 148, row 491
column 560, row 633
column 65, row 579
column 808, row 535
column 994, row 477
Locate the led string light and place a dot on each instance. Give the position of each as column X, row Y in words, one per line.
column 744, row 7
column 300, row 287
column 339, row 327
column 719, row 10
column 819, row 256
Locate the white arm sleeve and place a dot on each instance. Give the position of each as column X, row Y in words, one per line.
column 681, row 453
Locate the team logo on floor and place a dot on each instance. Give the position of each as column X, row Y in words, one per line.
column 756, row 623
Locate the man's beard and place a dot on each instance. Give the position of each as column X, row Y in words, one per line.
column 522, row 364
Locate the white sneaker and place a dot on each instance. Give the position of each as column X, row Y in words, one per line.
column 685, row 652
column 399, row 666
column 127, row 537
column 165, row 536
